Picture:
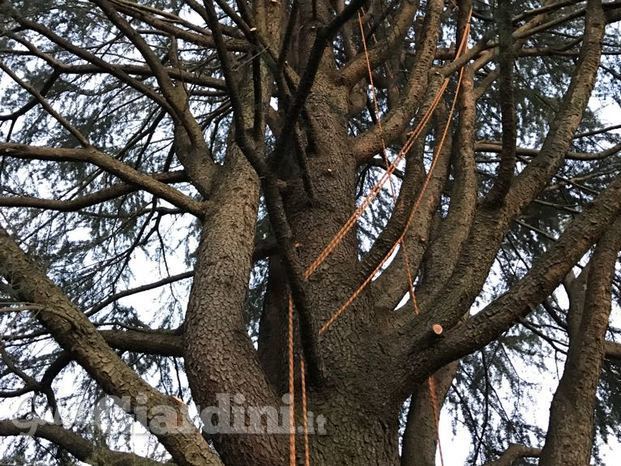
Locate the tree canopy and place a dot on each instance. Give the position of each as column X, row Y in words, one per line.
column 353, row 216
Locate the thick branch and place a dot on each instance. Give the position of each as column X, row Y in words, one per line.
column 563, row 128
column 271, row 191
column 442, row 254
column 160, row 342
column 507, row 105
column 241, row 138
column 322, row 39
column 570, row 433
column 219, row 355
column 75, row 333
column 545, row 275
column 84, row 450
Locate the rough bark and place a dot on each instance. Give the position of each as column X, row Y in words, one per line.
column 570, row 432
column 76, row 334
column 420, row 439
column 218, row 352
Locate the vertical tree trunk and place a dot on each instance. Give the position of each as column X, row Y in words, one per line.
column 570, row 432
column 420, row 439
column 354, row 435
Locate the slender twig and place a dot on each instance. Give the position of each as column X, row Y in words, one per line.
column 46, row 105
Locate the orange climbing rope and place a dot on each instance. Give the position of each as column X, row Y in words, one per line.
column 412, row 136
column 291, row 362
column 304, row 412
column 399, row 241
column 292, row 459
column 376, row 110
column 349, row 224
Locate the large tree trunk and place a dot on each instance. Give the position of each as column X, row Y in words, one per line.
column 420, row 439
column 354, row 436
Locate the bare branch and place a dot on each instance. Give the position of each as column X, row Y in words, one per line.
column 48, row 108
column 513, row 453
column 92, row 58
column 147, row 341
column 494, row 146
column 88, row 200
column 78, row 446
column 111, row 165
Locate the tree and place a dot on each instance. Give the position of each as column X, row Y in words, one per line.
column 382, row 207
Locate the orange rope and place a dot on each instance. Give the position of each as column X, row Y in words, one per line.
column 349, row 224
column 435, row 407
column 292, row 426
column 304, row 413
column 292, row 457
column 412, row 136
column 397, row 243
column 431, row 382
column 374, row 98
